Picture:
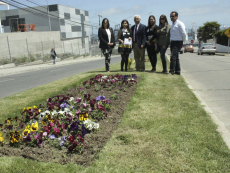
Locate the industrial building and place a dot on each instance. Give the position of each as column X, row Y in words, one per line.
column 71, row 22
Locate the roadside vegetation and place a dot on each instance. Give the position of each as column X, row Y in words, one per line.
column 164, row 129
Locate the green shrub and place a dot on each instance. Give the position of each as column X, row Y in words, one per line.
column 4, row 61
column 221, row 37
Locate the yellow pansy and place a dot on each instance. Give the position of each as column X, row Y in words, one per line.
column 39, row 111
column 2, row 140
column 43, row 123
column 34, row 127
column 28, row 127
column 23, row 109
column 35, row 107
column 26, row 132
column 16, row 119
column 28, row 108
column 11, row 134
column 81, row 117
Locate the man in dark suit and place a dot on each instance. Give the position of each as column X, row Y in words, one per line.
column 139, row 40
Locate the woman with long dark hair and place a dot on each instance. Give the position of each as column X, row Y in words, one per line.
column 163, row 39
column 124, row 49
column 107, row 41
column 151, row 35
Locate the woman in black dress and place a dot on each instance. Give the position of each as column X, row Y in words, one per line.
column 151, row 35
column 124, row 49
column 107, row 41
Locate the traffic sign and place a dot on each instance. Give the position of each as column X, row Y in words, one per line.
column 192, row 41
column 227, row 32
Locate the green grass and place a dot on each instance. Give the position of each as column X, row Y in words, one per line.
column 164, row 129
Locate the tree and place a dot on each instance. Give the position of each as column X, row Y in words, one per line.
column 207, row 31
column 221, row 37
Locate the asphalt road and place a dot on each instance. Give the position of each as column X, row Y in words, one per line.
column 209, row 77
column 12, row 84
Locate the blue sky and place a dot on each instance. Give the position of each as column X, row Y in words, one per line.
column 116, row 10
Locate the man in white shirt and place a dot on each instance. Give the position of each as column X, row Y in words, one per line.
column 177, row 36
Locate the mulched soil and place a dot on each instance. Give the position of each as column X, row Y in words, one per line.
column 94, row 142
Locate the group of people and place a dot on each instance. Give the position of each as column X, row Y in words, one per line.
column 152, row 37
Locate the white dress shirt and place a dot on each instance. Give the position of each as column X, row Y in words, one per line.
column 109, row 34
column 177, row 31
column 134, row 31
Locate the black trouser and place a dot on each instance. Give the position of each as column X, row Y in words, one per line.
column 107, row 53
column 124, row 60
column 152, row 55
column 175, row 47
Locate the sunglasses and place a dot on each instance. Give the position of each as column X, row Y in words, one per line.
column 172, row 16
column 162, row 18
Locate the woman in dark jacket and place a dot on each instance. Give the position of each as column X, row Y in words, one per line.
column 124, row 33
column 163, row 39
column 107, row 41
column 151, row 35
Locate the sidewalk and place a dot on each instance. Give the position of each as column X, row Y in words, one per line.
column 28, row 67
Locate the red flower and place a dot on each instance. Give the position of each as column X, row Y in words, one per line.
column 75, row 144
column 82, row 140
column 56, row 131
column 71, row 138
column 50, row 125
column 63, row 126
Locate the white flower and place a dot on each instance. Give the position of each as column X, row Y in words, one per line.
column 96, row 125
column 71, row 99
column 54, row 112
column 47, row 112
column 89, row 126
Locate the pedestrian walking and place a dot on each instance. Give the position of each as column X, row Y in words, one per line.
column 151, row 35
column 53, row 55
column 163, row 40
column 139, row 41
column 177, row 36
column 107, row 41
column 124, row 38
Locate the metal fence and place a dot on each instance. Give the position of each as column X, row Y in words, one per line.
column 23, row 51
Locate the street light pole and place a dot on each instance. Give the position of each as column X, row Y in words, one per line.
column 48, row 14
column 99, row 20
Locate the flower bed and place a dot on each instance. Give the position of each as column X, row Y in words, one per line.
column 79, row 121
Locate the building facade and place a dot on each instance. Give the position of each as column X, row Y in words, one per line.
column 71, row 22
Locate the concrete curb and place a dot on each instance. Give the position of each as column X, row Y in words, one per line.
column 220, row 126
column 7, row 65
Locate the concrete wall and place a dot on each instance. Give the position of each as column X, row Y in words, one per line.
column 38, row 43
column 221, row 48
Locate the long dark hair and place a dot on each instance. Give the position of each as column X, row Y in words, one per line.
column 103, row 23
column 149, row 24
column 122, row 24
column 166, row 21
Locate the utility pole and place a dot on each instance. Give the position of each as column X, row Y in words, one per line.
column 48, row 14
column 99, row 20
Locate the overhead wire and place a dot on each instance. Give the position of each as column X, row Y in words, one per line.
column 38, row 12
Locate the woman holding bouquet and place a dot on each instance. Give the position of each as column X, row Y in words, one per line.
column 124, row 35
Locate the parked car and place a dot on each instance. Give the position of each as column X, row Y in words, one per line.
column 206, row 48
column 181, row 50
column 188, row 48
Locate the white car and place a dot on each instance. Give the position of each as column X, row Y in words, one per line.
column 206, row 48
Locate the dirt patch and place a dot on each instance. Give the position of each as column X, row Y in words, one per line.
column 94, row 142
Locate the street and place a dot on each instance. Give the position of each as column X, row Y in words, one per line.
column 12, row 84
column 209, row 77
